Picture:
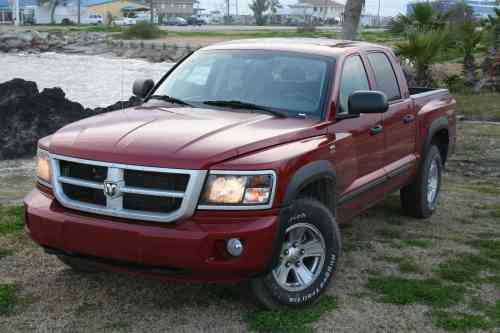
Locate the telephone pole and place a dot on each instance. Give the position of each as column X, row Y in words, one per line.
column 378, row 15
column 17, row 16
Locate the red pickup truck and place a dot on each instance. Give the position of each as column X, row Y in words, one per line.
column 240, row 165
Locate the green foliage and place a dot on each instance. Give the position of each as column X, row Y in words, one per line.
column 7, row 297
column 5, row 253
column 397, row 290
column 423, row 243
column 408, row 265
column 290, row 320
column 493, row 26
column 259, row 7
column 464, row 268
column 143, row 30
column 479, row 107
column 422, row 49
column 460, row 321
column 423, row 18
column 11, row 219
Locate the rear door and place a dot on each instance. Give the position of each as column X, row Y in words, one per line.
column 399, row 121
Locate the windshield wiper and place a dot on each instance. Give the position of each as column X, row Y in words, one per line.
column 170, row 99
column 244, row 105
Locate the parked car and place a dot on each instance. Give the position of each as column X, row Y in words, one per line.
column 93, row 19
column 241, row 164
column 193, row 20
column 124, row 21
column 176, row 21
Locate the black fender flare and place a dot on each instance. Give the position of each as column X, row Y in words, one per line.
column 304, row 176
column 436, row 125
column 307, row 175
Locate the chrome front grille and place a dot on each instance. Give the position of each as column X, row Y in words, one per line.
column 128, row 191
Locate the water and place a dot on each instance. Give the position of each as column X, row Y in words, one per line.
column 90, row 80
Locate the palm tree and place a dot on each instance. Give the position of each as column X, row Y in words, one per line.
column 469, row 38
column 259, row 7
column 52, row 8
column 422, row 18
column 274, row 5
column 494, row 28
column 422, row 50
column 352, row 15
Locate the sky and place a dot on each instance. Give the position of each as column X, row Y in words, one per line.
column 387, row 7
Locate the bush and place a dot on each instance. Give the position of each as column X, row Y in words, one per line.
column 307, row 28
column 143, row 30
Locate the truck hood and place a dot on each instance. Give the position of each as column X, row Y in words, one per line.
column 192, row 138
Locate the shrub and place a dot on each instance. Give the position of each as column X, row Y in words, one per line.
column 142, row 30
column 307, row 28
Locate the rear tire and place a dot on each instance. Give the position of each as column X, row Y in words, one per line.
column 419, row 199
column 308, row 258
column 79, row 265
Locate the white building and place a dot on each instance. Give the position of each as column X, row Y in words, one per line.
column 318, row 10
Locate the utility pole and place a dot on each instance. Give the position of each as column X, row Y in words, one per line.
column 236, row 7
column 78, row 11
column 151, row 11
column 17, row 16
column 378, row 15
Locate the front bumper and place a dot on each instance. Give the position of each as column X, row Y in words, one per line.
column 194, row 246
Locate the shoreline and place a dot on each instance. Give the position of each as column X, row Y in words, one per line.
column 31, row 41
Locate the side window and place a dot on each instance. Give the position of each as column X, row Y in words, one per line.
column 353, row 78
column 384, row 75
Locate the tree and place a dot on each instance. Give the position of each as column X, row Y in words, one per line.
column 274, row 5
column 493, row 27
column 422, row 50
column 52, row 8
column 259, row 7
column 469, row 37
column 352, row 16
column 421, row 18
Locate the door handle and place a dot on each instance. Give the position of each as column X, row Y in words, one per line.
column 408, row 118
column 376, row 130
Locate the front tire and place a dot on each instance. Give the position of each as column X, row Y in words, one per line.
column 308, row 258
column 419, row 199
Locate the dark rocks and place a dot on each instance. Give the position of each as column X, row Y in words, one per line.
column 27, row 115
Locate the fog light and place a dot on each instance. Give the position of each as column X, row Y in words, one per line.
column 234, row 247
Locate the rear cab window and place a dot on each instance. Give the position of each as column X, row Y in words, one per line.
column 385, row 77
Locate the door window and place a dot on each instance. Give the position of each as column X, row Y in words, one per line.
column 384, row 75
column 353, row 78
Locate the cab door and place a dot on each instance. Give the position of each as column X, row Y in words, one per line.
column 399, row 120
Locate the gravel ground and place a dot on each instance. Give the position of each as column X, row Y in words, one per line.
column 52, row 298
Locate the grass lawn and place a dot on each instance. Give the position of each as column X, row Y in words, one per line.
column 479, row 107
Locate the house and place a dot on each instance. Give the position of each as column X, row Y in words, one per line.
column 318, row 10
column 6, row 15
column 182, row 8
column 116, row 8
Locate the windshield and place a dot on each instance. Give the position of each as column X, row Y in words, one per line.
column 283, row 81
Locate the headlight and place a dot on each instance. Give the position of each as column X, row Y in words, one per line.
column 43, row 172
column 238, row 189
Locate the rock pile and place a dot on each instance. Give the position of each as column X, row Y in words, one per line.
column 26, row 115
column 34, row 41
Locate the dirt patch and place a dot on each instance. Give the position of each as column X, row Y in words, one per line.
column 53, row 298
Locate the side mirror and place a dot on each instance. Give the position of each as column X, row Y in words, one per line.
column 141, row 88
column 364, row 101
